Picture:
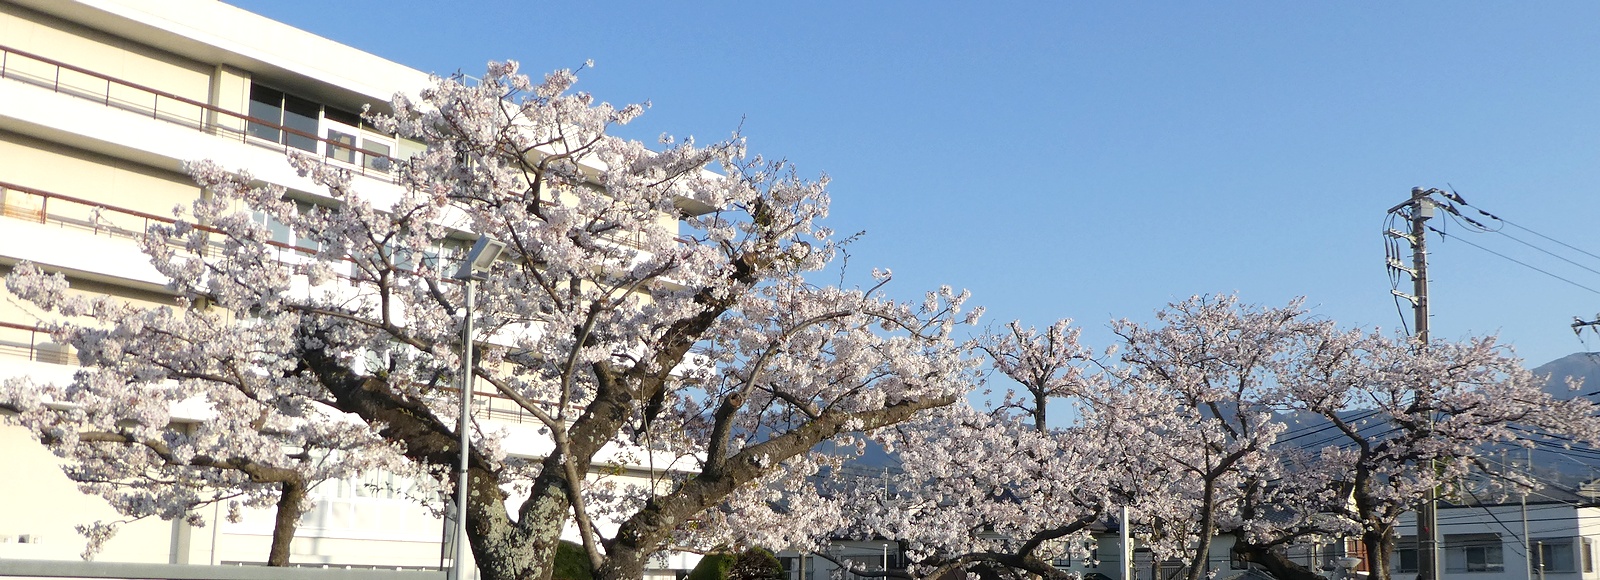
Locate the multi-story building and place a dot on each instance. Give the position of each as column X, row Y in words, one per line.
column 101, row 102
column 1543, row 540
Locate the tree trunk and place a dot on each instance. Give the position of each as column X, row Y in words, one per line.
column 1379, row 544
column 291, row 501
column 1208, row 528
column 521, row 550
column 1041, row 402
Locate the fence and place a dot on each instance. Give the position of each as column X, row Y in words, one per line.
column 129, row 571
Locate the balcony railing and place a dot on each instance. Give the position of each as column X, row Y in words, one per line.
column 102, row 219
column 33, row 343
column 67, row 79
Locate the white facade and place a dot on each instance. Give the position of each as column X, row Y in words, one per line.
column 1550, row 541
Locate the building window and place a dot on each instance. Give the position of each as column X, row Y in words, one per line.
column 444, row 256
column 1555, row 555
column 1588, row 555
column 1474, row 553
column 1405, row 556
column 281, row 233
column 371, row 149
column 350, row 139
column 1484, row 559
column 298, row 115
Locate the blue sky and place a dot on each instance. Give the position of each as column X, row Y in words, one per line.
column 1098, row 160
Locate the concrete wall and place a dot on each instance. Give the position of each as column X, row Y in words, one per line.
column 98, row 51
column 72, row 172
column 38, row 501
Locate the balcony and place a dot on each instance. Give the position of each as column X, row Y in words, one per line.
column 29, row 342
column 145, row 102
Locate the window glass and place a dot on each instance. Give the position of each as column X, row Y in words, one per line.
column 347, row 153
column 1405, row 556
column 1473, row 553
column 276, row 231
column 1485, row 559
column 267, row 105
column 410, row 148
column 300, row 115
column 1555, row 555
column 304, row 240
column 374, row 161
column 342, row 116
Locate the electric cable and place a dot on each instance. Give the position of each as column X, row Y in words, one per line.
column 1524, row 264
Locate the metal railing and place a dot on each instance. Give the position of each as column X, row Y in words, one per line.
column 39, row 206
column 34, row 205
column 33, row 343
column 11, row 568
column 67, row 79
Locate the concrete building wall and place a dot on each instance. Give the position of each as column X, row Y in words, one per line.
column 39, row 508
column 99, row 51
column 68, row 171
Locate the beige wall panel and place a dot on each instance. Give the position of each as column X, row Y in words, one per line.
column 65, row 171
column 29, row 31
column 46, row 506
column 668, row 222
column 230, row 90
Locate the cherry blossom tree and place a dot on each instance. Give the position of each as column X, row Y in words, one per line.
column 621, row 335
column 1412, row 417
column 1048, row 365
column 1214, row 362
column 1003, row 493
column 114, row 421
column 1185, row 421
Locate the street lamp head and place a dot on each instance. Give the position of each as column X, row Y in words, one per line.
column 482, row 255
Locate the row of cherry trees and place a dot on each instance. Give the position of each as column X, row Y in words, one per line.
column 1186, row 422
column 709, row 349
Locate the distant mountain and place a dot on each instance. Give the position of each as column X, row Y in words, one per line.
column 1582, row 365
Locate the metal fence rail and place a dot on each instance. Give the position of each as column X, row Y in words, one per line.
column 33, row 343
column 129, row 571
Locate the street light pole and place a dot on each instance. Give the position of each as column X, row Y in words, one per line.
column 463, row 428
column 1127, row 546
column 475, row 268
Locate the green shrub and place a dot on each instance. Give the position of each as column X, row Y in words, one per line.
column 752, row 564
column 756, row 564
column 712, row 567
column 572, row 563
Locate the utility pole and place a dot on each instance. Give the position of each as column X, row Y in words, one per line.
column 1127, row 545
column 1527, row 555
column 1420, row 206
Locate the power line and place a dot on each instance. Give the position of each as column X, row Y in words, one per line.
column 1548, row 252
column 1455, row 198
column 1524, row 264
column 1496, row 519
column 1563, row 244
